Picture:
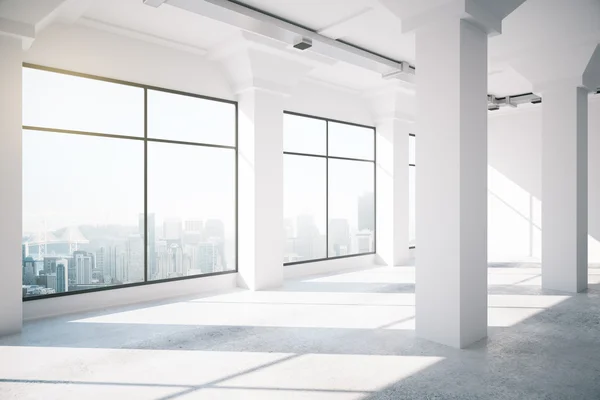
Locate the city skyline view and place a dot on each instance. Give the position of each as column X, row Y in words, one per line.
column 96, row 169
column 100, row 256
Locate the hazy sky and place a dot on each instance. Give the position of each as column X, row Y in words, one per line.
column 74, row 180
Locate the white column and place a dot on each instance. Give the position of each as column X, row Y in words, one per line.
column 564, row 85
column 451, row 198
column 392, row 191
column 260, row 182
column 11, row 58
column 564, row 188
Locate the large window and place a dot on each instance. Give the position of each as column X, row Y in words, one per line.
column 123, row 184
column 329, row 189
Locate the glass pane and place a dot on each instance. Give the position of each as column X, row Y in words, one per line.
column 351, row 141
column 82, row 198
column 411, row 150
column 304, row 202
column 190, row 119
column 191, row 210
column 304, row 135
column 411, row 205
column 351, row 207
column 59, row 101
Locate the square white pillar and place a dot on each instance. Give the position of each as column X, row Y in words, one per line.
column 451, row 183
column 260, row 183
column 564, row 188
column 11, row 294
column 393, row 191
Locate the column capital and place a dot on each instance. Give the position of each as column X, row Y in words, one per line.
column 26, row 18
column 395, row 101
column 485, row 14
column 257, row 62
column 578, row 66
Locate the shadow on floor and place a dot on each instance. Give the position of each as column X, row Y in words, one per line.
column 553, row 354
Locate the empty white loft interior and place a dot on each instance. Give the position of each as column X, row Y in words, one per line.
column 263, row 199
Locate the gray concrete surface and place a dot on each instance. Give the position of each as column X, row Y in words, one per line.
column 343, row 336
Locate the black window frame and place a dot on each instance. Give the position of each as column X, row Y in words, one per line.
column 327, row 157
column 145, row 139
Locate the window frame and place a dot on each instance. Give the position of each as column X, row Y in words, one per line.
column 327, row 157
column 145, row 139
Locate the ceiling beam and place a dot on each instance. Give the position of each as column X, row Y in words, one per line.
column 265, row 24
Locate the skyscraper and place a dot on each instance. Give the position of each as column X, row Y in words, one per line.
column 62, row 276
column 28, row 271
column 151, row 228
column 135, row 258
column 207, row 257
column 366, row 212
column 339, row 237
column 83, row 267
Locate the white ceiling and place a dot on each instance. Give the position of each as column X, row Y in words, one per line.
column 165, row 22
column 367, row 24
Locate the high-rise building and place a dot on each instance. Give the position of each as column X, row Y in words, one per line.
column 83, row 267
column 151, row 228
column 193, row 225
column 48, row 281
column 208, row 253
column 135, row 258
column 28, row 271
column 366, row 212
column 24, row 250
column 50, row 264
column 339, row 237
column 214, row 232
column 102, row 260
column 214, row 228
column 62, row 275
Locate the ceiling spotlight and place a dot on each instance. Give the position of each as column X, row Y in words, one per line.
column 303, row 43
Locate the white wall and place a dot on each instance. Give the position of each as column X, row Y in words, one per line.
column 329, row 102
column 82, row 49
column 514, row 183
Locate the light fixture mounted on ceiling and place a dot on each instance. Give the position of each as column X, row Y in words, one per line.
column 302, row 43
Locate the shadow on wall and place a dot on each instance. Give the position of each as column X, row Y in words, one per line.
column 515, row 223
column 514, row 185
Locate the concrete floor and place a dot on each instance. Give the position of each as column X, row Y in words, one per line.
column 343, row 336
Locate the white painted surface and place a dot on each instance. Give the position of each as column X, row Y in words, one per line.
column 451, row 223
column 392, row 191
column 328, row 101
column 515, row 171
column 260, row 194
column 95, row 52
column 55, row 306
column 11, row 57
column 514, row 184
column 564, row 188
